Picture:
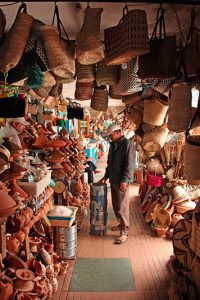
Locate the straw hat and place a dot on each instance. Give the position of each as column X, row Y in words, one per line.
column 180, row 194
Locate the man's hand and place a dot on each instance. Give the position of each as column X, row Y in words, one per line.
column 102, row 180
column 123, row 186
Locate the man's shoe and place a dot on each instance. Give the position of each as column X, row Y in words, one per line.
column 115, row 228
column 121, row 239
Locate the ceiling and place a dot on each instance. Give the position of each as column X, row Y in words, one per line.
column 72, row 13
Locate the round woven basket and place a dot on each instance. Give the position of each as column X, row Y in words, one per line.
column 90, row 57
column 49, row 79
column 106, row 75
column 61, row 62
column 43, row 91
column 100, row 99
column 154, row 165
column 191, row 162
column 180, row 108
column 15, row 41
column 85, row 73
column 83, row 90
column 154, row 112
column 134, row 115
column 155, row 139
column 2, row 24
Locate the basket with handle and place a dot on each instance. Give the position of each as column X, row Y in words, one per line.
column 106, row 75
column 128, row 39
column 85, row 73
column 100, row 99
column 83, row 90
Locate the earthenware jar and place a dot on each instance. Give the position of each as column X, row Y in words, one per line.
column 20, row 235
column 24, row 280
column 63, row 267
column 13, row 245
column 54, row 284
column 12, row 224
column 6, row 290
column 45, row 255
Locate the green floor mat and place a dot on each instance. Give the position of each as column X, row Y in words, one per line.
column 102, row 275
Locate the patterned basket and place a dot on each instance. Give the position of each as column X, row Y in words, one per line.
column 106, row 75
column 155, row 111
column 100, row 99
column 128, row 39
column 85, row 73
column 155, row 139
column 83, row 90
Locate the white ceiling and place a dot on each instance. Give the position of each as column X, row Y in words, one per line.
column 71, row 14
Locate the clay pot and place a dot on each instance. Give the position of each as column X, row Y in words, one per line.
column 7, row 205
column 26, row 230
column 63, row 267
column 45, row 255
column 161, row 231
column 25, row 213
column 13, row 245
column 15, row 262
column 21, row 219
column 54, row 284
column 30, row 212
column 35, row 243
column 20, row 235
column 38, row 268
column 6, row 290
column 56, row 157
column 78, row 186
column 14, row 188
column 49, row 271
column 4, row 153
column 49, row 247
column 67, row 168
column 12, row 224
column 56, row 143
column 24, row 280
column 40, row 142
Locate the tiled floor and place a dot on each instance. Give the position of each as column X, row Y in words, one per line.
column 147, row 254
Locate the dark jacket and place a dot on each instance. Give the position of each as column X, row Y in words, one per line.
column 121, row 161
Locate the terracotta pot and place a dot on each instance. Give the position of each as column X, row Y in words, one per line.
column 20, row 235
column 21, row 219
column 49, row 247
column 34, row 242
column 24, row 280
column 30, row 212
column 54, row 284
column 7, row 204
column 56, row 143
column 25, row 213
column 78, row 186
column 13, row 245
column 12, row 224
column 14, row 188
column 26, row 230
column 63, row 267
column 6, row 290
column 161, row 231
column 45, row 255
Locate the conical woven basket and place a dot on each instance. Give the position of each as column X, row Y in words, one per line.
column 2, row 24
column 154, row 112
column 61, row 62
column 15, row 41
column 155, row 139
column 106, row 75
column 56, row 90
column 85, row 73
column 89, row 46
column 180, row 108
column 83, row 91
column 99, row 99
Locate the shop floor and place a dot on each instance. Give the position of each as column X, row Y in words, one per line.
column 102, row 275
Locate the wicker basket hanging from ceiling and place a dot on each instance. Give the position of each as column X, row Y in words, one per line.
column 60, row 61
column 180, row 108
column 89, row 45
column 83, row 91
column 128, row 39
column 85, row 73
column 15, row 40
column 100, row 99
column 113, row 95
column 106, row 75
column 2, row 24
column 155, row 111
column 155, row 139
column 134, row 115
column 56, row 90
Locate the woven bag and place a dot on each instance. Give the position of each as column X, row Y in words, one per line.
column 2, row 25
column 89, row 45
column 179, row 108
column 128, row 39
column 129, row 82
column 85, row 73
column 155, row 139
column 192, row 153
column 106, row 75
column 99, row 99
column 191, row 52
column 161, row 61
column 155, row 111
column 15, row 40
column 56, row 90
column 83, row 91
column 61, row 63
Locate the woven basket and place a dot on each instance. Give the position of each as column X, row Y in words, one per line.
column 89, row 46
column 128, row 39
column 106, row 75
column 2, row 24
column 56, row 90
column 147, row 127
column 134, row 115
column 15, row 41
column 154, row 165
column 49, row 79
column 131, row 99
column 85, row 73
column 99, row 99
column 180, row 101
column 83, row 90
column 61, row 62
column 191, row 161
column 42, row 92
column 155, row 139
column 113, row 95
column 155, row 111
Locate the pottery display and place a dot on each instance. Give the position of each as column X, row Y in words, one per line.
column 7, row 205
column 24, row 280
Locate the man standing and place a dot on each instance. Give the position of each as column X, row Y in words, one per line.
column 119, row 171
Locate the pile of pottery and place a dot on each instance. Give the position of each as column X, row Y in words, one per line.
column 164, row 209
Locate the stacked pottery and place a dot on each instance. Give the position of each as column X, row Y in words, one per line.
column 7, row 205
column 24, row 280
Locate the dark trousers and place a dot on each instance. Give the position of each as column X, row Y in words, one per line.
column 120, row 203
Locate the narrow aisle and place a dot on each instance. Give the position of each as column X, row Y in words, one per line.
column 104, row 271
